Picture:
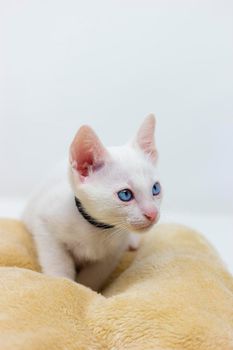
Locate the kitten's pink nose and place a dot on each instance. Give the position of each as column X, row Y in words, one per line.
column 151, row 215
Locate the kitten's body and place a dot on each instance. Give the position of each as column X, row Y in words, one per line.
column 64, row 238
column 51, row 215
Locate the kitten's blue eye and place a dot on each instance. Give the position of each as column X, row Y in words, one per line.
column 125, row 195
column 156, row 189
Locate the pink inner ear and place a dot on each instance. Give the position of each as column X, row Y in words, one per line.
column 84, row 165
column 87, row 152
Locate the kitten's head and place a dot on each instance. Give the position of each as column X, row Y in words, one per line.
column 119, row 185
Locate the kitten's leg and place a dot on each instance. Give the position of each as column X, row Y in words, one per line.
column 95, row 274
column 134, row 241
column 54, row 259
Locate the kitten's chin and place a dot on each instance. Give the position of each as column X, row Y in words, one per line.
column 141, row 228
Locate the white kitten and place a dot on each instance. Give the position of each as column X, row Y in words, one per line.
column 84, row 219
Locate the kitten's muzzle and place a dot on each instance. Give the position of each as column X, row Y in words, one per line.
column 146, row 224
column 151, row 215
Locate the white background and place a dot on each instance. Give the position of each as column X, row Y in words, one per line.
column 108, row 64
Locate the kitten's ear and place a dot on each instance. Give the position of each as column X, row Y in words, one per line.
column 87, row 153
column 145, row 137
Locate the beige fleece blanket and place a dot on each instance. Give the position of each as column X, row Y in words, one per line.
column 174, row 293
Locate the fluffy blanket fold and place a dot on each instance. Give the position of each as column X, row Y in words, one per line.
column 174, row 293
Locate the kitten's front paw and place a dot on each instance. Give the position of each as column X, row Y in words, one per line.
column 134, row 242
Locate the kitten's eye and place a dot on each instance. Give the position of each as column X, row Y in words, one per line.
column 156, row 189
column 125, row 195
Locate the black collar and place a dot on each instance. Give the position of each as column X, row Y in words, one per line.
column 89, row 218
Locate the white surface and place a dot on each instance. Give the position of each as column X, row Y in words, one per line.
column 218, row 229
column 108, row 63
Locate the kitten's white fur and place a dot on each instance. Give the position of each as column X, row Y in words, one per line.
column 63, row 237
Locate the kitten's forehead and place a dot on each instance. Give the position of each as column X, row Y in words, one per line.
column 132, row 164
